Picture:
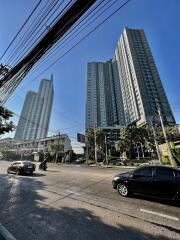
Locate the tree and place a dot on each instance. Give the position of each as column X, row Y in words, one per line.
column 131, row 136
column 5, row 124
column 55, row 149
column 172, row 133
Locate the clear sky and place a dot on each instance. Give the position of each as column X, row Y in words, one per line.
column 159, row 18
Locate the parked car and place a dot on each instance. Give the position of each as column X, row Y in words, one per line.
column 22, row 167
column 155, row 181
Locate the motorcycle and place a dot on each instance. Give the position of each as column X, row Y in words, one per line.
column 43, row 166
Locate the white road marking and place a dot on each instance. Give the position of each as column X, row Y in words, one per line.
column 160, row 214
column 74, row 192
column 6, row 234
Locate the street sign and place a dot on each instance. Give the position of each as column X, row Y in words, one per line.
column 80, row 138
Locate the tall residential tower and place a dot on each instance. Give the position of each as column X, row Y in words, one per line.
column 141, row 86
column 35, row 116
column 127, row 89
column 103, row 104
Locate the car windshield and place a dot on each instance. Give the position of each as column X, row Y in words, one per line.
column 27, row 163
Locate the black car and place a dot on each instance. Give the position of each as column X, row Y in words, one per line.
column 155, row 181
column 22, row 167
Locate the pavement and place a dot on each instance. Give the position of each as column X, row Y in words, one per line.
column 78, row 202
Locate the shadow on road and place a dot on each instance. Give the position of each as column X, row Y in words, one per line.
column 23, row 215
column 27, row 175
column 161, row 201
column 52, row 171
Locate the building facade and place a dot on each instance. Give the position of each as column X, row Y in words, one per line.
column 126, row 89
column 35, row 116
column 31, row 146
column 141, row 87
column 103, row 104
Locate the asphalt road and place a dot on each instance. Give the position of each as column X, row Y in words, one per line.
column 76, row 202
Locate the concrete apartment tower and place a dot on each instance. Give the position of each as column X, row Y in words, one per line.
column 35, row 116
column 127, row 89
column 104, row 103
column 141, row 86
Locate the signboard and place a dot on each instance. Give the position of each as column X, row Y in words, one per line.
column 80, row 138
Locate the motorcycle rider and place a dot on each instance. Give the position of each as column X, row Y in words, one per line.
column 43, row 164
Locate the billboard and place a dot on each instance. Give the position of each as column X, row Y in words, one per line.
column 80, row 138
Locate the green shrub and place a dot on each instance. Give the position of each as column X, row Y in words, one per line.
column 118, row 164
column 165, row 160
column 89, row 162
column 136, row 164
column 80, row 161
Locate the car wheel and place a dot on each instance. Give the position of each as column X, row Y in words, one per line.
column 122, row 189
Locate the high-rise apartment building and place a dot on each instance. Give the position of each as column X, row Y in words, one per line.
column 141, row 86
column 128, row 88
column 35, row 116
column 103, row 104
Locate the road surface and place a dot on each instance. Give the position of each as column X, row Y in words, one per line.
column 78, row 202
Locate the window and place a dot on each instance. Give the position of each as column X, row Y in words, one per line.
column 16, row 164
column 164, row 173
column 143, row 172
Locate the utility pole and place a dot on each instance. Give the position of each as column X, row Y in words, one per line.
column 22, row 152
column 58, row 146
column 106, row 150
column 87, row 147
column 156, row 143
column 173, row 163
column 95, row 145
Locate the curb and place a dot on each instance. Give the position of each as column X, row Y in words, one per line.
column 93, row 166
column 5, row 233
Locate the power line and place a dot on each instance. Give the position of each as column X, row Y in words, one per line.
column 61, row 26
column 64, row 43
column 88, row 14
column 26, row 36
column 21, row 28
column 76, row 44
column 34, row 35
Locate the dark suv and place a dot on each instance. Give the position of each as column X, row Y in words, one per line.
column 154, row 181
column 22, row 167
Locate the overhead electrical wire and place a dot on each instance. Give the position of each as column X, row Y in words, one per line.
column 90, row 32
column 76, row 44
column 34, row 35
column 21, row 28
column 17, row 73
column 59, row 116
column 85, row 16
column 45, row 128
column 39, row 125
column 29, row 32
column 14, row 84
column 62, row 44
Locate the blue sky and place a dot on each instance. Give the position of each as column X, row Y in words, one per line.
column 159, row 18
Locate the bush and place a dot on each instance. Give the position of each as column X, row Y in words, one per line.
column 136, row 164
column 118, row 164
column 165, row 160
column 80, row 160
column 89, row 162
